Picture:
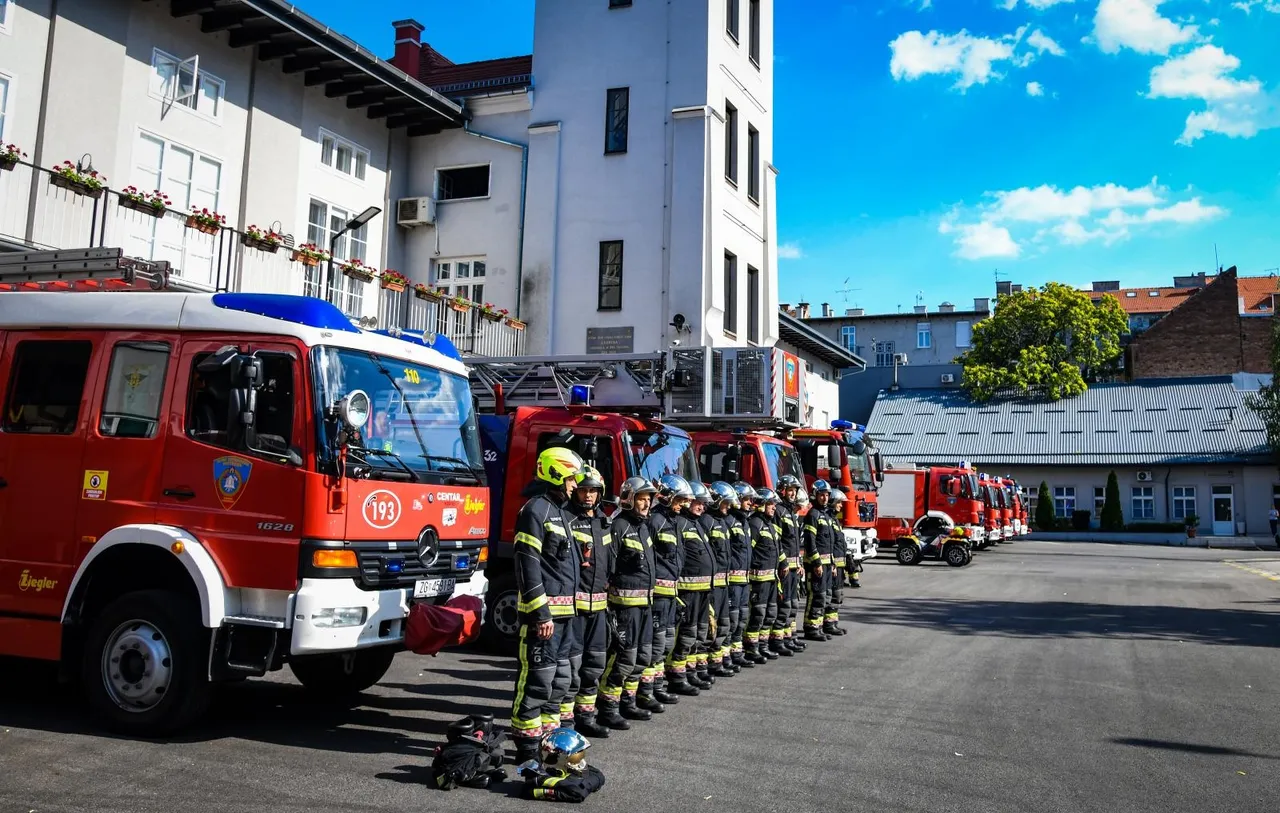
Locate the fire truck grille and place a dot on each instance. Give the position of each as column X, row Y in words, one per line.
column 383, row 569
column 867, row 511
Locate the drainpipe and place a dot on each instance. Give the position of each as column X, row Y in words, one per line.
column 42, row 118
column 524, row 181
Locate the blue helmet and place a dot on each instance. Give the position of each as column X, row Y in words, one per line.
column 564, row 750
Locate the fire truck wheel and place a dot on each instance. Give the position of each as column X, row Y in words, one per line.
column 143, row 668
column 343, row 672
column 501, row 630
column 909, row 553
column 957, row 556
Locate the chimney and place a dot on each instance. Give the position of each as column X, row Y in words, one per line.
column 826, row 310
column 854, row 312
column 803, row 310
column 1015, row 288
column 981, row 304
column 1003, row 287
column 1192, row 281
column 921, row 308
column 946, row 307
column 408, row 46
column 1107, row 285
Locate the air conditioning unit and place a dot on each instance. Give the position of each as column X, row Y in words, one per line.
column 1144, row 477
column 948, row 378
column 416, row 212
column 900, row 359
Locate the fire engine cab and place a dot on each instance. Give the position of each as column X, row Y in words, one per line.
column 201, row 487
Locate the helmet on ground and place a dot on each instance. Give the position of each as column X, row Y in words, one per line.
column 819, row 486
column 723, row 492
column 789, row 481
column 673, row 486
column 557, row 464
column 632, row 487
column 802, row 497
column 564, row 750
column 766, row 496
column 701, row 493
column 588, row 477
column 744, row 491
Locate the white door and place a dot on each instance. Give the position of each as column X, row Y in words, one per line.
column 1224, row 505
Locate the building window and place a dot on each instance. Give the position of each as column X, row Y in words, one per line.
column 46, row 385
column 731, row 18
column 731, row 143
column 462, row 277
column 1064, row 501
column 730, row 293
column 617, row 104
column 462, row 183
column 342, row 156
column 753, row 171
column 610, row 296
column 1099, row 500
column 4, row 16
column 191, row 180
column 619, row 3
column 753, row 20
column 4, row 101
column 753, row 305
column 181, row 82
column 135, row 388
column 1144, row 503
column 1184, row 502
column 324, row 221
column 964, row 334
column 849, row 337
column 884, row 354
column 924, row 336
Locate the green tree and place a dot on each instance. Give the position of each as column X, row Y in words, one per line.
column 1266, row 401
column 1044, row 508
column 1043, row 341
column 1112, row 516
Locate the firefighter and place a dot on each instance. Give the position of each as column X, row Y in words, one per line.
column 669, row 525
column 783, row 640
column 819, row 541
column 716, row 522
column 628, row 686
column 590, row 649
column 831, row 621
column 739, row 566
column 546, row 565
column 766, row 563
column 689, row 658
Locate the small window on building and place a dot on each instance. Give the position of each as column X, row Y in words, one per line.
column 619, row 3
column 1064, row 501
column 753, row 20
column 463, row 278
column 4, row 101
column 884, row 353
column 730, row 293
column 924, row 336
column 343, row 156
column 4, row 16
column 753, row 170
column 1153, row 293
column 617, row 112
column 610, row 295
column 964, row 334
column 753, row 305
column 46, row 386
column 1144, row 502
column 184, row 83
column 1131, row 293
column 462, row 183
column 731, row 18
column 135, row 389
column 1099, row 500
column 849, row 338
column 1184, row 502
column 731, row 143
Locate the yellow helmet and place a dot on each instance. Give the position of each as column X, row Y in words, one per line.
column 557, row 464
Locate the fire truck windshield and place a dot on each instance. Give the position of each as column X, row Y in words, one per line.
column 422, row 418
column 782, row 459
column 971, row 486
column 658, row 453
column 859, row 466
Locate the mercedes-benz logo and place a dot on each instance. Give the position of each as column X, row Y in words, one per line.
column 428, row 547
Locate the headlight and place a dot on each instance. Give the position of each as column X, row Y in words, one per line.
column 340, row 617
column 871, row 534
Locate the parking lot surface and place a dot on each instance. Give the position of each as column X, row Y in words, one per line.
column 1043, row 677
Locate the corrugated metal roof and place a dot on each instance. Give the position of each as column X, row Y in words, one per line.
column 1165, row 422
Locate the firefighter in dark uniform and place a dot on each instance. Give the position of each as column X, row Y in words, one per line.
column 669, row 525
column 766, row 563
column 628, row 686
column 783, row 641
column 819, row 541
column 590, row 650
column 689, row 658
column 831, row 621
column 739, row 567
column 716, row 522
column 546, row 565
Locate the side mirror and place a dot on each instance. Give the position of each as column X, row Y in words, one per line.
column 593, row 449
column 859, row 448
column 217, row 362
column 732, row 467
column 354, row 409
column 953, row 487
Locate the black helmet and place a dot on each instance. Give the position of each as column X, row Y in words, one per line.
column 724, row 493
column 744, row 491
column 632, row 487
column 819, row 486
column 701, row 493
column 789, row 481
column 674, row 486
column 766, row 496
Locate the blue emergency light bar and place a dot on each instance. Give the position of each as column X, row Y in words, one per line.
column 302, row 310
column 842, row 425
column 435, row 341
column 580, row 395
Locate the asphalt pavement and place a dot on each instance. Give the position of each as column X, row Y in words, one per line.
column 1043, row 677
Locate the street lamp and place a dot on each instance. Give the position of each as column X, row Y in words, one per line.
column 351, row 225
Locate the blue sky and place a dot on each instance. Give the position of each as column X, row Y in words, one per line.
column 925, row 144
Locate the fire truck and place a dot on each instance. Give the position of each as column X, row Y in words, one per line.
column 999, row 510
column 203, row 487
column 844, row 456
column 909, row 496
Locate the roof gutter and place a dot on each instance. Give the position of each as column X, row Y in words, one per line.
column 524, row 181
column 833, row 353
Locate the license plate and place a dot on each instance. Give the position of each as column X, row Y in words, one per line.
column 425, row 588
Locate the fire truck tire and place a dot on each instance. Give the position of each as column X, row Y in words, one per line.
column 501, row 629
column 909, row 553
column 144, row 664
column 343, row 673
column 957, row 556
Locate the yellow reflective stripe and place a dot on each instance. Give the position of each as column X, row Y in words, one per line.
column 532, row 541
column 562, row 609
column 663, row 590
column 668, row 537
column 717, row 532
column 608, row 539
column 634, row 543
column 582, row 536
column 532, row 605
column 554, row 526
column 692, row 535
column 630, row 601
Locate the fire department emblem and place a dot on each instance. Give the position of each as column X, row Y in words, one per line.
column 230, row 476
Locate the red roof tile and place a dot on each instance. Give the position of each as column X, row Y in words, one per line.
column 1256, row 293
column 474, row 78
column 1147, row 300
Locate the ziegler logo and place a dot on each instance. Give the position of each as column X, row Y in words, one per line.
column 472, row 506
column 27, row 583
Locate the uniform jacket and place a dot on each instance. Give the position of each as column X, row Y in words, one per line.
column 739, row 545
column 819, row 536
column 633, row 561
column 668, row 528
column 718, row 531
column 699, row 559
column 789, row 534
column 765, row 554
column 591, row 534
column 546, row 561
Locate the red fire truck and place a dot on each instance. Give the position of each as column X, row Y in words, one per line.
column 999, row 511
column 203, row 487
column 910, row 495
column 844, row 456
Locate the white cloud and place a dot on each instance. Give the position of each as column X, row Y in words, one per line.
column 1043, row 43
column 916, row 54
column 1235, row 119
column 1035, row 89
column 1201, row 74
column 790, row 251
column 976, row 241
column 1046, row 203
column 1138, row 25
column 1039, row 5
column 1247, row 6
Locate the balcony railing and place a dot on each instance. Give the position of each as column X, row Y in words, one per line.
column 36, row 214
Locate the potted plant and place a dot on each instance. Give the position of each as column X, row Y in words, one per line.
column 358, row 270
column 205, row 221
column 394, row 281
column 267, row 240
column 488, row 311
column 1193, row 522
column 427, row 292
column 9, row 155
column 515, row 323
column 310, row 255
column 154, row 203
column 460, row 304
column 67, row 176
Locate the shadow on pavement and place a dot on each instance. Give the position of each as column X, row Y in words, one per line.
column 1061, row 619
column 1190, row 748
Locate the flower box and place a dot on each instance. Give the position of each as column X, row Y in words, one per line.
column 429, row 294
column 460, row 305
column 515, row 323
column 393, row 281
column 360, row 272
column 8, row 160
column 266, row 246
column 492, row 316
column 63, row 182
column 140, row 206
column 202, row 226
column 308, row 258
column 393, row 287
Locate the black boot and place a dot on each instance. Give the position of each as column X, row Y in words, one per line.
column 704, row 675
column 661, row 694
column 526, row 749
column 678, row 685
column 855, row 583
column 609, row 716
column 838, row 630
column 587, row 725
column 814, row 634
column 650, row 704
column 631, row 711
column 777, row 647
column 795, row 644
column 829, row 630
column 718, row 669
column 767, row 652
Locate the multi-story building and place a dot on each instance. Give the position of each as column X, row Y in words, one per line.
column 1145, row 306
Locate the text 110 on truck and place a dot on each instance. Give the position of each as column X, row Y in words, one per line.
column 199, row 488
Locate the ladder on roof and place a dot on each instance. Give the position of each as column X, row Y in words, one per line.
column 90, row 269
column 631, row 382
